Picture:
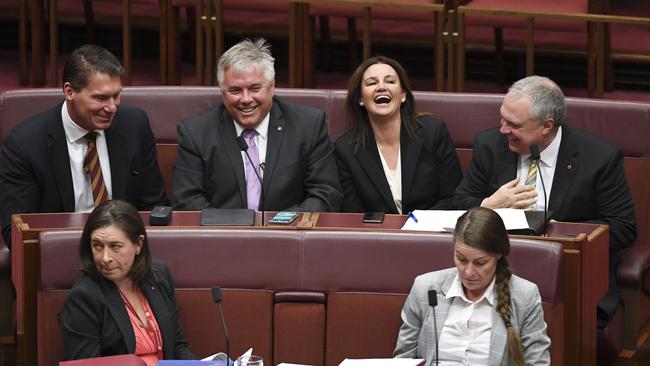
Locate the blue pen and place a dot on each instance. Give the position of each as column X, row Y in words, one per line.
column 410, row 214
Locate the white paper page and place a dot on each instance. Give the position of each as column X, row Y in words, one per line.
column 433, row 220
column 382, row 362
column 222, row 356
column 513, row 218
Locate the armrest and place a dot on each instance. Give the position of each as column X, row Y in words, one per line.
column 634, row 262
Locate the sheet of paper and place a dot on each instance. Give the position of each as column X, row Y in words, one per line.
column 513, row 218
column 433, row 220
column 382, row 361
column 222, row 356
column 445, row 220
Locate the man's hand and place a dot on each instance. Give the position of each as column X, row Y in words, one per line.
column 511, row 195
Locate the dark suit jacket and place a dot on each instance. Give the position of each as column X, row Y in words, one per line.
column 94, row 321
column 589, row 186
column 299, row 174
column 430, row 170
column 35, row 167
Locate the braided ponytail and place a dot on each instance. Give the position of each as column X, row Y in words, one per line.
column 502, row 285
column 483, row 229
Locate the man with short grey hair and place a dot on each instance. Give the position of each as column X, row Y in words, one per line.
column 287, row 144
column 583, row 175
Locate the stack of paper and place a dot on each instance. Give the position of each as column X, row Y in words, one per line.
column 383, row 362
column 445, row 221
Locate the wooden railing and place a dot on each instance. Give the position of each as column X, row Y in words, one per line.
column 596, row 45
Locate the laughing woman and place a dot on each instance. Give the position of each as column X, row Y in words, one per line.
column 391, row 160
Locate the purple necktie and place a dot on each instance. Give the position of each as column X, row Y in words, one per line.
column 253, row 187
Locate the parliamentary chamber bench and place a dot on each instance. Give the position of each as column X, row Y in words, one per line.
column 624, row 124
column 309, row 297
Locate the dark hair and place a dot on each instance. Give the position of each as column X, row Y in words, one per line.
column 88, row 60
column 357, row 115
column 125, row 217
column 483, row 229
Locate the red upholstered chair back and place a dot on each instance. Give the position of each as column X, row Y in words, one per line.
column 367, row 276
column 292, row 295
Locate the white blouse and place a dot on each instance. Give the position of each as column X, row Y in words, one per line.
column 465, row 336
column 394, row 178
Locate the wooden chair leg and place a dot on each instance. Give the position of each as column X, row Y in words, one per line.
column 38, row 43
column 609, row 67
column 352, row 42
column 498, row 56
column 173, row 43
column 22, row 43
column 190, row 14
column 54, row 43
column 89, row 20
column 325, row 42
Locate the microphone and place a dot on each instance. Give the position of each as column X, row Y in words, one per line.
column 433, row 301
column 534, row 154
column 243, row 146
column 216, row 296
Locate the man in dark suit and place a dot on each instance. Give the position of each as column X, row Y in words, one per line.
column 287, row 143
column 583, row 175
column 47, row 160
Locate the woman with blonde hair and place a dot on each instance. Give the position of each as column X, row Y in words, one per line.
column 484, row 315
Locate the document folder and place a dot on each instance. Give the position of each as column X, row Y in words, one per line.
column 227, row 217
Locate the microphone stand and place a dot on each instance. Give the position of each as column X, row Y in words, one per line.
column 216, row 296
column 433, row 301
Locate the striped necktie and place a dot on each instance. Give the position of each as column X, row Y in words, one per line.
column 94, row 170
column 531, row 178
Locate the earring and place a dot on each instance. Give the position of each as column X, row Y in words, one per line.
column 403, row 100
column 361, row 104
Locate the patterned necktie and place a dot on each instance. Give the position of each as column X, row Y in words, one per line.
column 253, row 186
column 531, row 178
column 94, row 170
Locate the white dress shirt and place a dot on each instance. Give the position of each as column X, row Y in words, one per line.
column 77, row 146
column 262, row 130
column 547, row 163
column 465, row 336
column 394, row 178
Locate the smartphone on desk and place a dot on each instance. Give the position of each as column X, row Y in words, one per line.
column 283, row 218
column 373, row 217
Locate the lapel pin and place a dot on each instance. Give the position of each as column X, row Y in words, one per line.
column 569, row 166
column 279, row 128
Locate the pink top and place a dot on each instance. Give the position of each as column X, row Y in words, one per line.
column 148, row 341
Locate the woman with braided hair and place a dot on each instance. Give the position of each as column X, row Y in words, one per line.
column 484, row 315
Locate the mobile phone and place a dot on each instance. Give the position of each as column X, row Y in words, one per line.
column 283, row 218
column 373, row 217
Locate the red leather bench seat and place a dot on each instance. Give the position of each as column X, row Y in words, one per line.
column 295, row 296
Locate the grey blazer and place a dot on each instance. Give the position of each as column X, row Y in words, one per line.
column 416, row 338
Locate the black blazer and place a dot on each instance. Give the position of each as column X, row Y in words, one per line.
column 94, row 321
column 430, row 170
column 589, row 185
column 299, row 174
column 35, row 168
